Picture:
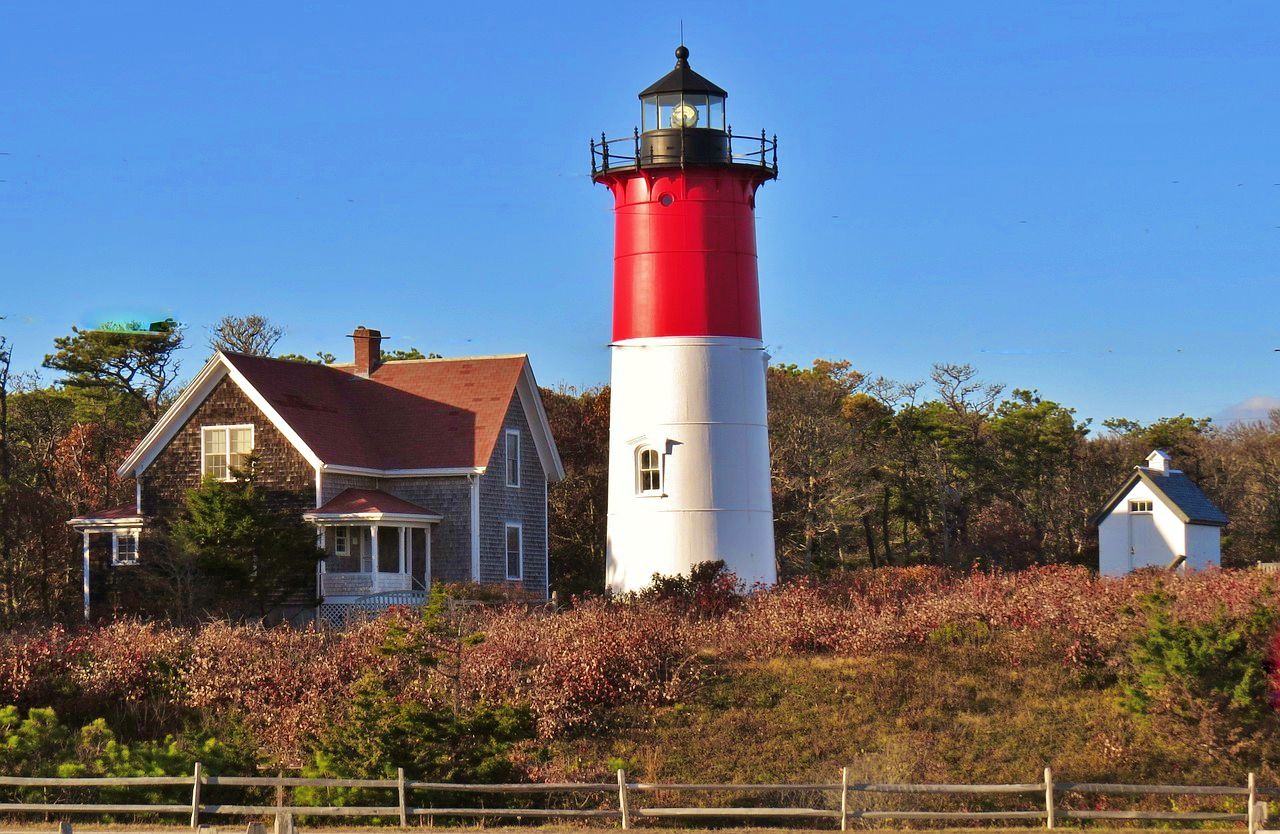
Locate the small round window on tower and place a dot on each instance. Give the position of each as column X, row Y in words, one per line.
column 666, row 199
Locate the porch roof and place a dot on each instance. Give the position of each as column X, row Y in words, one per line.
column 370, row 505
column 125, row 515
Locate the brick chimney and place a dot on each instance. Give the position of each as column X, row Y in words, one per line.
column 368, row 350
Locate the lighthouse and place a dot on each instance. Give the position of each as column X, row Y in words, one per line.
column 688, row 431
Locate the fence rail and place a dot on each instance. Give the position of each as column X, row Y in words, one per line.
column 622, row 796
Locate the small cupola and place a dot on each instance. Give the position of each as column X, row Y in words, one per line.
column 682, row 100
column 1159, row 461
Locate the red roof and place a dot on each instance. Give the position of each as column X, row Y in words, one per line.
column 414, row 414
column 113, row 514
column 370, row 501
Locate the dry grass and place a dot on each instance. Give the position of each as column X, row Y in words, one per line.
column 936, row 714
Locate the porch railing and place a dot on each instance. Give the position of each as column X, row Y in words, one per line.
column 362, row 584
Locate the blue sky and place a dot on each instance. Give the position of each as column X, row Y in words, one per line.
column 1082, row 198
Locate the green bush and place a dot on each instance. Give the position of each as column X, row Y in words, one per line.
column 39, row 744
column 1185, row 668
column 381, row 733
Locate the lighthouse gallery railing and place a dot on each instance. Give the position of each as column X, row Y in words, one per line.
column 611, row 154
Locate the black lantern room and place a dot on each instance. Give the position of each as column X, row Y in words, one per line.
column 682, row 100
column 682, row 122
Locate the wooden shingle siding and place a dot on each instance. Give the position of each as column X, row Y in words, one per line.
column 282, row 474
column 526, row 504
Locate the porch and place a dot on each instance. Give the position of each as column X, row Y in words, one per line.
column 374, row 544
column 109, row 540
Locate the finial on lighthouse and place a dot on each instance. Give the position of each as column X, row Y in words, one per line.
column 682, row 57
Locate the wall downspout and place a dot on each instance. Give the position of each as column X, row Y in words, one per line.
column 475, row 527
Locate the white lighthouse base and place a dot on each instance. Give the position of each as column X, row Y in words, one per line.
column 699, row 402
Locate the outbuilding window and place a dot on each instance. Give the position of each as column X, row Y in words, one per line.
column 648, row 471
column 225, row 450
column 515, row 550
column 1141, row 506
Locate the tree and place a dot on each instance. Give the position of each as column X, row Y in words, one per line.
column 234, row 555
column 411, row 353
column 129, row 367
column 321, row 358
column 820, row 484
column 6, row 467
column 253, row 335
column 578, row 505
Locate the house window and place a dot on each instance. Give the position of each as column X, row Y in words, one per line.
column 648, row 471
column 515, row 550
column 124, row 548
column 341, row 542
column 513, row 458
column 226, row 450
column 1141, row 506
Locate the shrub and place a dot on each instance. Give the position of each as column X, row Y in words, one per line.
column 710, row 590
column 568, row 667
column 1182, row 667
column 381, row 732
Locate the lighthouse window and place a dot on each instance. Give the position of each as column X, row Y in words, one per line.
column 666, row 199
column 649, row 471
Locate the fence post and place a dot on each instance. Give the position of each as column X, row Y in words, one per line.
column 1050, row 813
column 622, row 798
column 844, row 799
column 64, row 827
column 195, row 796
column 284, row 823
column 404, row 806
column 1253, row 799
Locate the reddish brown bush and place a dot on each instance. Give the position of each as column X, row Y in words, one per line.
column 284, row 685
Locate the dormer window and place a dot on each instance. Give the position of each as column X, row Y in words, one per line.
column 225, row 450
column 648, row 471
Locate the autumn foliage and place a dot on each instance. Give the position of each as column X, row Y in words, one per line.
column 568, row 668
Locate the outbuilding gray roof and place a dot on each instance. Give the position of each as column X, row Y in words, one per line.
column 1178, row 491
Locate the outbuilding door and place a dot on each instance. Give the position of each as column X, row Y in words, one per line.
column 1145, row 545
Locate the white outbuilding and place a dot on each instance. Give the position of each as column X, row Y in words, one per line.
column 1158, row 518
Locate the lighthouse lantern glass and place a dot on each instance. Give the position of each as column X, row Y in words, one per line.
column 715, row 112
column 665, row 111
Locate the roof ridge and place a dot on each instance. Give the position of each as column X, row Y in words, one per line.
column 453, row 358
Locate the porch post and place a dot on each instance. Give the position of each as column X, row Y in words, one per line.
column 323, row 545
column 373, row 552
column 403, row 560
column 85, row 573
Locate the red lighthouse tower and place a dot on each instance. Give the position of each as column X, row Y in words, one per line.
column 689, row 453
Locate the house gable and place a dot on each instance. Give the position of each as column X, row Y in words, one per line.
column 285, row 476
column 189, row 401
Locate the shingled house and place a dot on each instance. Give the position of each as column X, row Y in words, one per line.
column 413, row 471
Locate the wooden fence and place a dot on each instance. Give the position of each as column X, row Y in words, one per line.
column 625, row 805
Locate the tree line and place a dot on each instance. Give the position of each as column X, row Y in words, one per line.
column 954, row 472
column 866, row 471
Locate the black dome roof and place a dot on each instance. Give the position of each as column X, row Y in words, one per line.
column 682, row 80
